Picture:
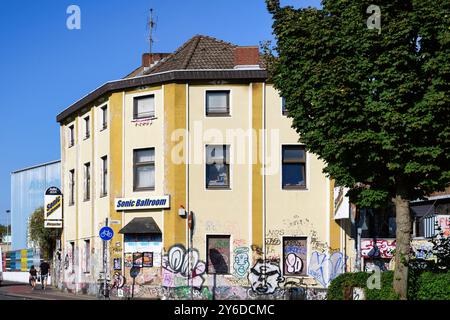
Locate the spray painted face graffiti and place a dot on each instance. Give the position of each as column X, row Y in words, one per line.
column 265, row 278
column 241, row 261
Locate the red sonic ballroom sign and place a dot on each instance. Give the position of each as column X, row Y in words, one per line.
column 53, row 212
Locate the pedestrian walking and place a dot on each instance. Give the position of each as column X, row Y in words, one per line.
column 44, row 270
column 33, row 277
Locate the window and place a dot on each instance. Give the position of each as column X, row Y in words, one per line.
column 218, row 103
column 283, row 107
column 144, row 169
column 87, row 256
column 218, row 251
column 87, row 181
column 144, row 107
column 87, row 128
column 104, row 180
column 71, row 136
column 71, row 187
column 294, row 256
column 294, row 167
column 72, row 256
column 217, row 166
column 104, row 117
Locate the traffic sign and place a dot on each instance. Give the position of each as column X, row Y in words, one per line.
column 106, row 233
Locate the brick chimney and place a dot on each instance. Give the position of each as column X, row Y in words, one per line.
column 148, row 60
column 246, row 57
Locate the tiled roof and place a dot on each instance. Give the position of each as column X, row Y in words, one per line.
column 200, row 52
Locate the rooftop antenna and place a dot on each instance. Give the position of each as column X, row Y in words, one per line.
column 151, row 25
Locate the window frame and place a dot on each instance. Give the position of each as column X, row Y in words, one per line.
column 142, row 164
column 104, row 177
column 71, row 135
column 225, row 162
column 305, row 169
column 219, row 236
column 87, row 256
column 222, row 114
column 87, row 181
column 72, row 187
column 104, row 117
column 87, row 127
column 300, row 237
column 135, row 107
column 72, row 260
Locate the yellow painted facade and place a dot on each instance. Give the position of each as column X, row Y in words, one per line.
column 256, row 213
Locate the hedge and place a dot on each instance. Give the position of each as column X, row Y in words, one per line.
column 422, row 286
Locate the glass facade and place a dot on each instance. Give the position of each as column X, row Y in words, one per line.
column 28, row 188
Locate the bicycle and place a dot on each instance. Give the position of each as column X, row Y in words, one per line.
column 104, row 292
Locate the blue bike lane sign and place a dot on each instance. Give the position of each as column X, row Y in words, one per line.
column 106, row 233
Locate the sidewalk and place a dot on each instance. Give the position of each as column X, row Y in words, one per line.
column 24, row 291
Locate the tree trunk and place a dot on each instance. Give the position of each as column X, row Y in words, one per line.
column 403, row 242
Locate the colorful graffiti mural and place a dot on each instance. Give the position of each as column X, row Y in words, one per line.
column 324, row 268
column 241, row 262
column 183, row 267
column 384, row 248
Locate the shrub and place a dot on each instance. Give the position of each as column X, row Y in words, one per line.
column 421, row 286
column 433, row 286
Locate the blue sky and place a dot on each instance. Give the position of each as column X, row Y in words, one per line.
column 45, row 67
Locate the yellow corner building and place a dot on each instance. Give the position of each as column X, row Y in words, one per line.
column 192, row 161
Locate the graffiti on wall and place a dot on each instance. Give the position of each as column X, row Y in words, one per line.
column 384, row 248
column 324, row 268
column 443, row 222
column 422, row 249
column 241, row 261
column 265, row 277
column 179, row 271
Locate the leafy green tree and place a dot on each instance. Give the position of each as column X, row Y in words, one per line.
column 44, row 238
column 374, row 104
column 3, row 231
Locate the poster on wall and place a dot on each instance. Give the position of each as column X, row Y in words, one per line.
column 147, row 260
column 443, row 222
column 53, row 209
column 117, row 263
column 128, row 260
column 137, row 260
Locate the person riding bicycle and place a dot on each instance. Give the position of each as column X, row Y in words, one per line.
column 33, row 277
column 44, row 268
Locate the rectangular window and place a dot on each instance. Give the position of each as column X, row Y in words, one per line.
column 144, row 107
column 104, row 115
column 294, row 167
column 71, row 136
column 144, row 169
column 283, row 107
column 218, row 103
column 71, row 187
column 87, row 256
column 87, row 182
column 218, row 252
column 87, row 128
column 104, row 180
column 217, row 166
column 294, row 256
column 72, row 260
